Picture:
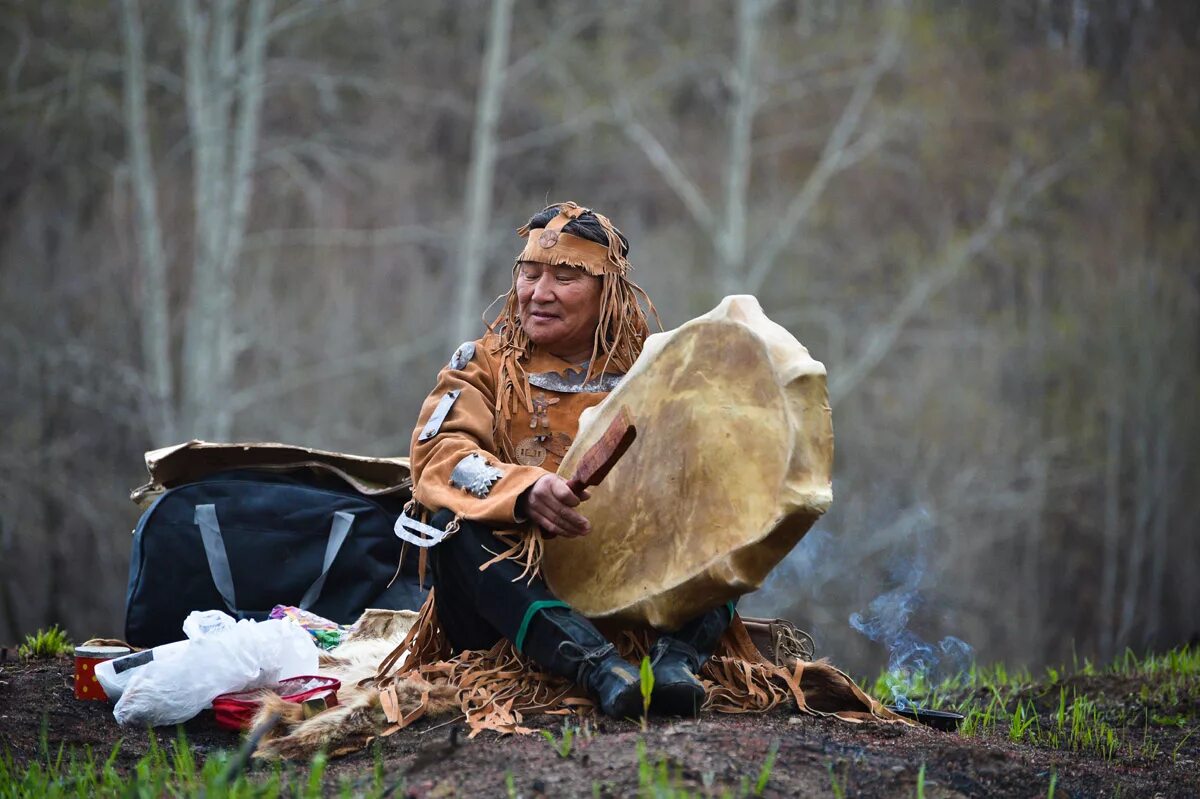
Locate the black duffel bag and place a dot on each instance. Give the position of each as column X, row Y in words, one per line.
column 246, row 540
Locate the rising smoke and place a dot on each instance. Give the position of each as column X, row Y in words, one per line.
column 818, row 569
column 814, row 562
column 913, row 663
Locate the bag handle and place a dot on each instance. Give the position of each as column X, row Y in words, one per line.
column 339, row 531
column 218, row 559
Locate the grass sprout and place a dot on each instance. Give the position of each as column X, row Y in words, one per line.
column 46, row 644
column 836, row 786
column 1178, row 746
column 647, row 686
column 764, row 774
column 561, row 746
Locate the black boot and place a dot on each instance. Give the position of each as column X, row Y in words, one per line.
column 676, row 659
column 567, row 644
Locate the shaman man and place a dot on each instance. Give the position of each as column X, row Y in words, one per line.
column 484, row 452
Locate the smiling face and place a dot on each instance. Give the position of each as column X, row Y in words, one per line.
column 559, row 308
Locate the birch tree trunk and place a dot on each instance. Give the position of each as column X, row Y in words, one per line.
column 1039, row 491
column 223, row 150
column 155, row 311
column 245, row 144
column 840, row 151
column 207, row 143
column 1156, row 597
column 731, row 244
column 477, row 210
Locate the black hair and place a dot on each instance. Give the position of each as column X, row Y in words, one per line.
column 587, row 226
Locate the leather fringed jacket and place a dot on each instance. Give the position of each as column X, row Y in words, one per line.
column 456, row 459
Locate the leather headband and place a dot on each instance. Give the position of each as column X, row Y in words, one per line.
column 550, row 246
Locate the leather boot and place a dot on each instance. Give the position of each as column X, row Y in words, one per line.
column 676, row 659
column 568, row 645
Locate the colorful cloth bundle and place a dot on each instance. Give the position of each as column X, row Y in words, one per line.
column 326, row 633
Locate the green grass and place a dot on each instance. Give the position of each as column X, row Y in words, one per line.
column 1178, row 746
column 1176, row 667
column 46, row 644
column 1181, row 662
column 159, row 773
column 173, row 771
column 1067, row 709
column 662, row 780
column 764, row 774
column 1078, row 724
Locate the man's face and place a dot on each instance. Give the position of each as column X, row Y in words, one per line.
column 559, row 307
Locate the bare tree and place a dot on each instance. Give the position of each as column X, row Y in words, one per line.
column 477, row 204
column 224, row 93
column 155, row 310
column 224, row 135
column 728, row 233
column 1013, row 195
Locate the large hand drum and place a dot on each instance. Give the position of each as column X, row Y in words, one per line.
column 730, row 468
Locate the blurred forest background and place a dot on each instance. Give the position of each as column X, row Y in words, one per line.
column 275, row 221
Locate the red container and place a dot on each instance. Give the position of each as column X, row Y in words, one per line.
column 86, row 658
column 235, row 711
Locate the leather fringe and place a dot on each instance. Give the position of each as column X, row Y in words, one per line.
column 493, row 689
column 526, row 547
column 499, row 688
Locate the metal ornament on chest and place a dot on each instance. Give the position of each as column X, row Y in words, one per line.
column 541, row 411
column 533, row 450
column 530, row 451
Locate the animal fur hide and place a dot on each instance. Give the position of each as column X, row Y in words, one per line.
column 358, row 716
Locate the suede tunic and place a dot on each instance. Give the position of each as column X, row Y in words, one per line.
column 464, row 439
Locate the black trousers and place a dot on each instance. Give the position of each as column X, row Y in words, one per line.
column 477, row 608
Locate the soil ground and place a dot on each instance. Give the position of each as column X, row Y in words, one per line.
column 816, row 757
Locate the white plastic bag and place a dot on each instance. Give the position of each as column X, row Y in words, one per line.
column 233, row 657
column 200, row 623
column 115, row 674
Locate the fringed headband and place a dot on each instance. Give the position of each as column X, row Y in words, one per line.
column 552, row 245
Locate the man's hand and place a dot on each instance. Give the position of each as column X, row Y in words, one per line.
column 550, row 504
